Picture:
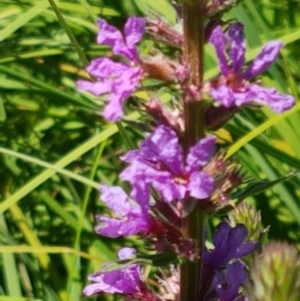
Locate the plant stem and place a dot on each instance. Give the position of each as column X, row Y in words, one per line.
column 193, row 26
column 193, row 224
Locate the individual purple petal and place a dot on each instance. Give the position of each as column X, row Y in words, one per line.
column 246, row 248
column 200, row 154
column 115, row 198
column 162, row 146
column 108, row 34
column 97, row 88
column 134, row 30
column 264, row 60
column 238, row 46
column 124, row 280
column 219, row 40
column 113, row 111
column 228, row 287
column 200, row 185
column 106, row 69
column 278, row 102
column 112, row 227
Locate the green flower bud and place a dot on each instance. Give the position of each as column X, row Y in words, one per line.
column 275, row 274
column 244, row 214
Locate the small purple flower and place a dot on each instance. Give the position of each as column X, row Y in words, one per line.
column 121, row 79
column 131, row 218
column 233, row 87
column 124, row 280
column 229, row 244
column 160, row 163
column 227, row 287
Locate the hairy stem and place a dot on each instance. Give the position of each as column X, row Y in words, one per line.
column 193, row 224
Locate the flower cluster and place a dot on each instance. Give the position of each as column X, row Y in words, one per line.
column 160, row 162
column 234, row 87
column 119, row 79
column 170, row 175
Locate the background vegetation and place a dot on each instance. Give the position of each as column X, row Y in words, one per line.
column 55, row 148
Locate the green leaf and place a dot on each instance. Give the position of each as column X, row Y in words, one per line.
column 256, row 187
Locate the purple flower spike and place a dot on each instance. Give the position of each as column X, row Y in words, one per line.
column 131, row 218
column 123, row 281
column 233, row 88
column 160, row 163
column 228, row 287
column 119, row 80
column 229, row 244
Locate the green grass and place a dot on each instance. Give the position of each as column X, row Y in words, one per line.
column 55, row 149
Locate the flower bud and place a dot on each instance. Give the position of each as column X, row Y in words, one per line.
column 213, row 7
column 160, row 68
column 275, row 274
column 227, row 176
column 164, row 115
column 164, row 32
column 244, row 214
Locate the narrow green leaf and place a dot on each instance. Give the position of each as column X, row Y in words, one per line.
column 2, row 110
column 10, row 271
column 22, row 19
column 257, row 187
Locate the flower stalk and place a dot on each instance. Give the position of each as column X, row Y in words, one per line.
column 193, row 224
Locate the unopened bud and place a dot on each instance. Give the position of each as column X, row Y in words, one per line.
column 275, row 274
column 160, row 68
column 164, row 32
column 227, row 176
column 164, row 115
column 244, row 214
column 213, row 7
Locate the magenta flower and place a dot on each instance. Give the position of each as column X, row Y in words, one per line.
column 119, row 79
column 233, row 87
column 131, row 218
column 123, row 281
column 160, row 163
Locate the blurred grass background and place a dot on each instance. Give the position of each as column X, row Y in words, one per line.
column 55, row 149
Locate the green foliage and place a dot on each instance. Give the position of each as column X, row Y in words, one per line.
column 55, row 148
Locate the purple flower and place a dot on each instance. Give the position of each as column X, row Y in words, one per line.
column 228, row 287
column 160, row 162
column 234, row 88
column 131, row 218
column 124, row 280
column 121, row 79
column 229, row 244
